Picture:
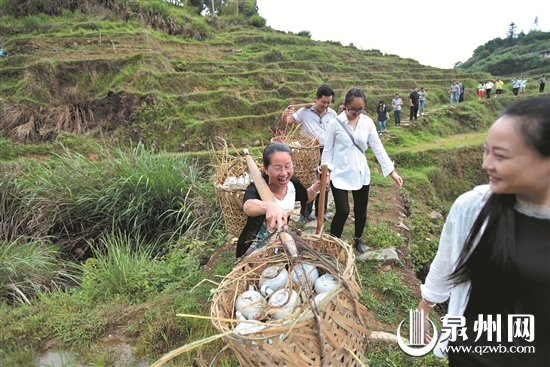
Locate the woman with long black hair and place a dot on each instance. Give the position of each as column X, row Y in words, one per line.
column 493, row 259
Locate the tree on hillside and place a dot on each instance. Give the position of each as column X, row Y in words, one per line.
column 246, row 8
column 511, row 31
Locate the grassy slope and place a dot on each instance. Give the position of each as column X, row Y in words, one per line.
column 182, row 93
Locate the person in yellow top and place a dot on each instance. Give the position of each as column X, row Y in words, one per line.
column 499, row 85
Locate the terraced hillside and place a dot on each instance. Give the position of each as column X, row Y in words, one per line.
column 120, row 81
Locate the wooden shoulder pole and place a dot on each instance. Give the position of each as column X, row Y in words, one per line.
column 322, row 195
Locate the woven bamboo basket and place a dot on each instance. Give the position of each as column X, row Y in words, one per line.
column 306, row 160
column 231, row 203
column 329, row 334
column 231, row 197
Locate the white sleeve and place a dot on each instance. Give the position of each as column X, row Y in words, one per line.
column 328, row 150
column 381, row 155
column 457, row 227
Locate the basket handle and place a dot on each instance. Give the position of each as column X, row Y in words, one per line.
column 267, row 195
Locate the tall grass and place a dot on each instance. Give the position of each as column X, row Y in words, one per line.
column 76, row 199
column 30, row 267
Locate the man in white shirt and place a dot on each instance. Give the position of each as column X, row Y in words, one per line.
column 488, row 88
column 314, row 121
column 397, row 102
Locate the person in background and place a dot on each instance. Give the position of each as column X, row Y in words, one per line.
column 314, row 122
column 516, row 84
column 461, row 97
column 499, row 85
column 421, row 100
column 455, row 92
column 480, row 91
column 523, row 83
column 413, row 103
column 286, row 189
column 348, row 137
column 396, row 102
column 542, row 83
column 494, row 256
column 382, row 115
column 488, row 88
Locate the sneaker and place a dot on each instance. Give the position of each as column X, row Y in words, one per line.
column 312, row 217
column 384, row 130
column 325, row 217
column 302, row 219
column 360, row 246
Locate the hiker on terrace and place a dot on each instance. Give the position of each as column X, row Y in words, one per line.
column 397, row 103
column 382, row 115
column 455, row 92
column 286, row 189
column 523, row 82
column 516, row 84
column 542, row 83
column 488, row 88
column 314, row 122
column 414, row 99
column 499, row 85
column 421, row 100
column 493, row 259
column 480, row 91
column 348, row 137
column 461, row 97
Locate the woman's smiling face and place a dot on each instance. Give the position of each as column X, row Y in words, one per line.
column 280, row 169
column 512, row 165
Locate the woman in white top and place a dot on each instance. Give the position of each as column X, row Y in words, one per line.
column 493, row 259
column 344, row 154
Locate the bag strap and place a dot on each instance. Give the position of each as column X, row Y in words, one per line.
column 350, row 136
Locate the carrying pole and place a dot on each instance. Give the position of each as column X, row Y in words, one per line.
column 322, row 197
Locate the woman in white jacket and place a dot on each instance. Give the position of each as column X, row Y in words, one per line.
column 493, row 259
column 344, row 153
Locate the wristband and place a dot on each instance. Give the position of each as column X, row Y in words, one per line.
column 429, row 304
column 312, row 189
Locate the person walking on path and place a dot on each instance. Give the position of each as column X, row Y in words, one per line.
column 461, row 97
column 516, row 84
column 348, row 137
column 480, row 91
column 382, row 115
column 397, row 103
column 499, row 85
column 488, row 88
column 413, row 103
column 421, row 100
column 523, row 82
column 493, row 256
column 314, row 122
column 542, row 83
column 455, row 92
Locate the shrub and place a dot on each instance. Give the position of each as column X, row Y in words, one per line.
column 257, row 21
column 304, row 34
